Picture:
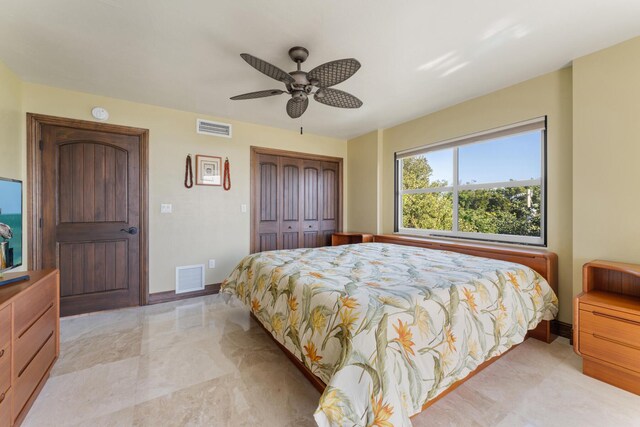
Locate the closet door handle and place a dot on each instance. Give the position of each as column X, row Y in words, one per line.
column 2, row 352
column 289, row 227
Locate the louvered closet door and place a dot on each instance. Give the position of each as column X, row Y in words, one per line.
column 290, row 236
column 311, row 203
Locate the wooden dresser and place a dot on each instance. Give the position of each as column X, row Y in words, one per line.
column 29, row 341
column 338, row 239
column 606, row 329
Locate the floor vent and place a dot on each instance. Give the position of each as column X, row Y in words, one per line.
column 207, row 127
column 189, row 278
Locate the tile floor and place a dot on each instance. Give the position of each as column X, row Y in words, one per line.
column 201, row 362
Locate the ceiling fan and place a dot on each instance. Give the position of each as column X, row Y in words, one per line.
column 300, row 84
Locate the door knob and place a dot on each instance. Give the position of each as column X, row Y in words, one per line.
column 289, row 227
column 130, row 230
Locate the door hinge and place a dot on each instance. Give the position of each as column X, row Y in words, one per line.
column 41, row 145
column 41, row 222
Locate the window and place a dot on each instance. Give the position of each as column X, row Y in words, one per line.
column 487, row 186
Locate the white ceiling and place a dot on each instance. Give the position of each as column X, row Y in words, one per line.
column 417, row 56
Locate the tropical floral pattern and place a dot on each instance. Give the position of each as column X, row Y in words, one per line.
column 389, row 327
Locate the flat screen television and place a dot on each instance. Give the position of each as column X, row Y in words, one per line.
column 10, row 224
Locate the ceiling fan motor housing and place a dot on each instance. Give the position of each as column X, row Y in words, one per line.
column 299, row 95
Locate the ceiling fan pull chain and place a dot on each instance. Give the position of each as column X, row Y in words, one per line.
column 188, row 172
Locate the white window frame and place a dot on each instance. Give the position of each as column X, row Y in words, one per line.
column 537, row 124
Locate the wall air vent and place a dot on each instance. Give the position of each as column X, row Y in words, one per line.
column 207, row 127
column 189, row 278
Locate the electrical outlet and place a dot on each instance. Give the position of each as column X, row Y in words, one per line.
column 166, row 208
column 243, row 208
column 212, row 263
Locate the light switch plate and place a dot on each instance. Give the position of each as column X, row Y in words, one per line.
column 166, row 208
column 243, row 208
column 212, row 263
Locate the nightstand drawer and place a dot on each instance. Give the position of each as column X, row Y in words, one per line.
column 611, row 324
column 609, row 350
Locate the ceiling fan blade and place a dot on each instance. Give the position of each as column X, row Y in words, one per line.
column 258, row 94
column 334, row 72
column 296, row 109
column 337, row 98
column 268, row 69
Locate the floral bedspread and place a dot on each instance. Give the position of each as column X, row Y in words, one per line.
column 389, row 327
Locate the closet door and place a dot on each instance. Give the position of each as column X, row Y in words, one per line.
column 266, row 223
column 330, row 186
column 296, row 201
column 290, row 236
column 311, row 203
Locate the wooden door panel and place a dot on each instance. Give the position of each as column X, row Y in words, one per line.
column 92, row 185
column 329, row 199
column 290, row 240
column 109, row 272
column 311, row 192
column 311, row 239
column 268, row 242
column 290, row 193
column 268, row 191
column 97, row 179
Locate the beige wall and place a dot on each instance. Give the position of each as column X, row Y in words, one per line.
column 206, row 222
column 363, row 158
column 548, row 95
column 606, row 156
column 10, row 124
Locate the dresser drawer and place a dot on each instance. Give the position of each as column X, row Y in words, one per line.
column 609, row 350
column 5, row 369
column 5, row 326
column 30, row 306
column 5, row 408
column 612, row 324
column 27, row 381
column 33, row 338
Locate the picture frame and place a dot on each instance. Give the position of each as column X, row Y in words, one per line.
column 208, row 170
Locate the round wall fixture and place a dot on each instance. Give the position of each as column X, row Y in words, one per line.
column 100, row 113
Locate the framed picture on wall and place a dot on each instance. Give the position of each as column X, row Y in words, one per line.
column 208, row 170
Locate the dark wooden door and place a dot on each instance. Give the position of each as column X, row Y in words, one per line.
column 296, row 201
column 91, row 186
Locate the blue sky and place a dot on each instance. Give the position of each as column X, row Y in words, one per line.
column 514, row 157
column 10, row 197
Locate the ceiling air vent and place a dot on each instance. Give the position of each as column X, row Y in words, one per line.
column 207, row 127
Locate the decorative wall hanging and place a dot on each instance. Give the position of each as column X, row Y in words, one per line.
column 208, row 170
column 188, row 172
column 227, row 175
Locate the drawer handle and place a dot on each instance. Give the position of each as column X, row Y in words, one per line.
column 620, row 319
column 2, row 396
column 600, row 337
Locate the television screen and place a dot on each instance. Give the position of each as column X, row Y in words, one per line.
column 10, row 223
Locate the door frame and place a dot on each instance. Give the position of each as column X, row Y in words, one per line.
column 34, row 185
column 255, row 151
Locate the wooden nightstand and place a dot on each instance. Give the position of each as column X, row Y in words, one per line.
column 606, row 329
column 338, row 239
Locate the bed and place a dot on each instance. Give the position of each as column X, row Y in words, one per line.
column 385, row 328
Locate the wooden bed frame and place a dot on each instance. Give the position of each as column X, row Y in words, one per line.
column 540, row 260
